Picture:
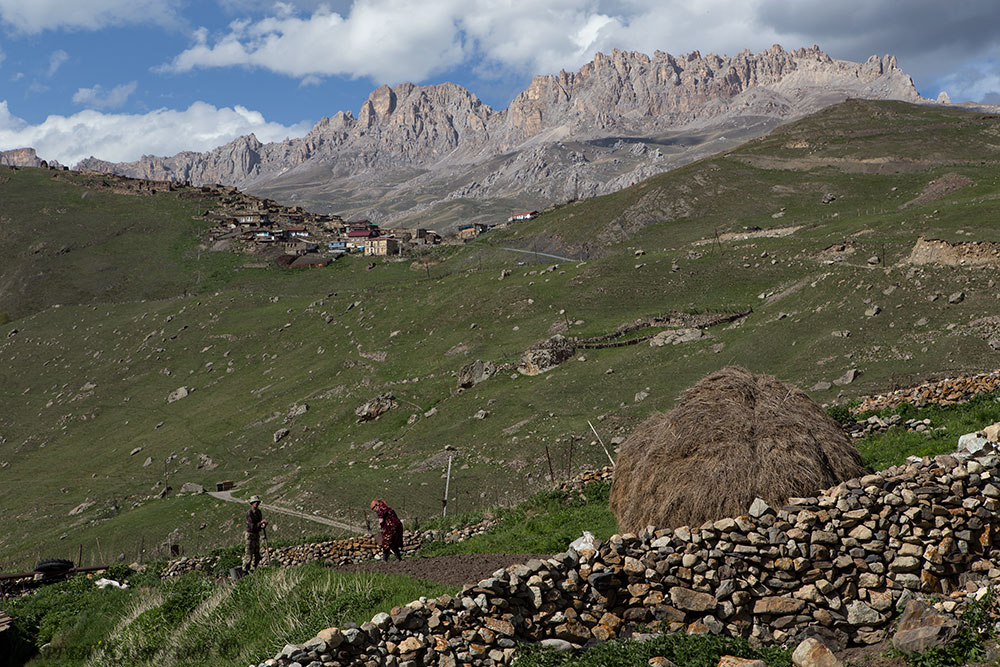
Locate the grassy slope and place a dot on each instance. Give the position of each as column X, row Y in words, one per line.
column 195, row 620
column 258, row 342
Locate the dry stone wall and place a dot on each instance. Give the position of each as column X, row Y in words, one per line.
column 345, row 551
column 948, row 391
column 838, row 567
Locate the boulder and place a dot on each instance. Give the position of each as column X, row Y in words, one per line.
column 474, row 373
column 546, row 355
column 178, row 394
column 814, row 653
column 376, row 407
column 921, row 627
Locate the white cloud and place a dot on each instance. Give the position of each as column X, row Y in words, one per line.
column 56, row 61
column 35, row 16
column 96, row 97
column 125, row 137
column 389, row 41
column 395, row 40
column 978, row 81
column 382, row 39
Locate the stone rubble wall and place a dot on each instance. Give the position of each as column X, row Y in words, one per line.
column 337, row 552
column 838, row 567
column 948, row 391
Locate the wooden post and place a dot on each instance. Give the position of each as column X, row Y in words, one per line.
column 552, row 475
column 569, row 463
column 447, row 483
column 79, row 558
column 602, row 444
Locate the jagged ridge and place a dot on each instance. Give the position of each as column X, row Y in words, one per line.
column 442, row 142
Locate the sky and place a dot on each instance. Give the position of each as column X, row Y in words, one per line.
column 118, row 79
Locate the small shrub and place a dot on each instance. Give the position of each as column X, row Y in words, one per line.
column 840, row 413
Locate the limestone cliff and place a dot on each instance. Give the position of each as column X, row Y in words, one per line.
column 620, row 118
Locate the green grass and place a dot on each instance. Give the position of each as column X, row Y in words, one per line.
column 251, row 343
column 947, row 424
column 546, row 523
column 195, row 620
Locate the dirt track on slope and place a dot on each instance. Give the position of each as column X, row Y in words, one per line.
column 453, row 570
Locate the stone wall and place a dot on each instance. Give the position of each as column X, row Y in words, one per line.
column 358, row 549
column 838, row 567
column 948, row 391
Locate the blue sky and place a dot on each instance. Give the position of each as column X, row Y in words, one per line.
column 121, row 78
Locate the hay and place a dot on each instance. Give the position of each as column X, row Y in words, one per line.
column 733, row 437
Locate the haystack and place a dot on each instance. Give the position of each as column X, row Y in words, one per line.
column 733, row 437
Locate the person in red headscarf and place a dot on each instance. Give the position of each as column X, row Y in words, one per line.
column 392, row 529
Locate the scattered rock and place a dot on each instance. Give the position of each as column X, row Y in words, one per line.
column 280, row 433
column 474, row 373
column 296, row 411
column 177, row 394
column 375, row 407
column 82, row 507
column 847, row 378
column 547, row 355
column 957, row 297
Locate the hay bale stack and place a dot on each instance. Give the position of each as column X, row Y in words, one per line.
column 733, row 437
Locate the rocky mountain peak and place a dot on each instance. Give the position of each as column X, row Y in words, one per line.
column 441, row 137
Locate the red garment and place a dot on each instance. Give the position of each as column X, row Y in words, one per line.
column 392, row 529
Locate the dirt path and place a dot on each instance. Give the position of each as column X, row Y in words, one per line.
column 228, row 497
column 530, row 252
column 453, row 570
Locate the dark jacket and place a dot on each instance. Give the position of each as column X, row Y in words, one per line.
column 254, row 519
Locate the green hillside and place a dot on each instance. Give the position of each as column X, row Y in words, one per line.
column 86, row 383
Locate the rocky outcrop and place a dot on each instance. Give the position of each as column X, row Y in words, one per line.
column 474, row 373
column 376, row 407
column 963, row 253
column 567, row 136
column 546, row 355
column 25, row 157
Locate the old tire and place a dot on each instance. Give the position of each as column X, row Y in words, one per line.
column 54, row 565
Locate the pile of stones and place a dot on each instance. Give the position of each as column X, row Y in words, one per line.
column 875, row 424
column 577, row 483
column 837, row 568
column 942, row 392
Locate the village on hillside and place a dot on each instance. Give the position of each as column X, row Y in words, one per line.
column 295, row 238
column 289, row 236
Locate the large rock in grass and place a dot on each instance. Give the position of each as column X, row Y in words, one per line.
column 376, row 407
column 546, row 355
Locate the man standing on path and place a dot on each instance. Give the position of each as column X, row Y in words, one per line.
column 392, row 529
column 255, row 524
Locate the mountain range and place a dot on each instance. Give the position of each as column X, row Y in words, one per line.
column 435, row 156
